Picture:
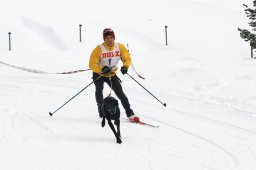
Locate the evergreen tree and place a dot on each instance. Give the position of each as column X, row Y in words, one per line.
column 245, row 34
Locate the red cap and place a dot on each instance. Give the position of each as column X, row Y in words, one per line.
column 107, row 32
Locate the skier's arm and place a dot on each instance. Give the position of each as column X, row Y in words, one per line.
column 95, row 60
column 125, row 56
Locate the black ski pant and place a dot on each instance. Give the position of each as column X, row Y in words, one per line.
column 115, row 82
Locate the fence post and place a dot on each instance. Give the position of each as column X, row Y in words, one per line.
column 9, row 41
column 80, row 32
column 166, row 42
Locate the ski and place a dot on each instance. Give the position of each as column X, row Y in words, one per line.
column 143, row 123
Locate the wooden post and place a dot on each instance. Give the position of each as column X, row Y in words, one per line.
column 166, row 42
column 9, row 41
column 80, row 32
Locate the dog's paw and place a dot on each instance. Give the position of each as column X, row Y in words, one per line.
column 118, row 141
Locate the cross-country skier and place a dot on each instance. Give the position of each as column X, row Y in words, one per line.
column 103, row 62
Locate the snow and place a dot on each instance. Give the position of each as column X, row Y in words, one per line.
column 205, row 75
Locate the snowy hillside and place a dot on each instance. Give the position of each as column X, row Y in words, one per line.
column 205, row 75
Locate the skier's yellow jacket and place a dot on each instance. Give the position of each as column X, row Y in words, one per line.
column 96, row 56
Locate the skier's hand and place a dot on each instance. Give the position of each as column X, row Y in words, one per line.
column 106, row 70
column 124, row 70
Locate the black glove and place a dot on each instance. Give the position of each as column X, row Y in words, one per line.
column 124, row 70
column 106, row 70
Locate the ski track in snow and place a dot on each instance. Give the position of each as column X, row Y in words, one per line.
column 187, row 132
column 225, row 151
column 198, row 117
column 15, row 117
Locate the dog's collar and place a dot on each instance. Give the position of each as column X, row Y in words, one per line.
column 112, row 111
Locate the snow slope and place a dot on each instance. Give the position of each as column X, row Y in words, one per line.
column 205, row 75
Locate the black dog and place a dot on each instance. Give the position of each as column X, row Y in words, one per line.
column 111, row 111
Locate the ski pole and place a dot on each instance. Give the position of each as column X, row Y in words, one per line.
column 147, row 90
column 51, row 113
